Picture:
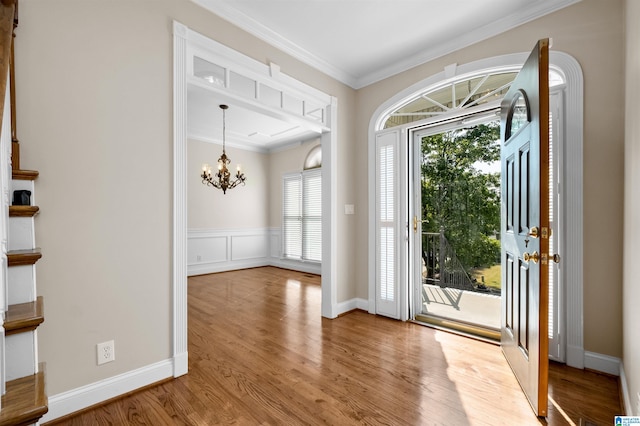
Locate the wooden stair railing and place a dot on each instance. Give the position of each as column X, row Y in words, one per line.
column 25, row 400
column 7, row 25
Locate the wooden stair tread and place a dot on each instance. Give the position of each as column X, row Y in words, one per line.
column 25, row 401
column 23, row 211
column 24, row 317
column 23, row 257
column 19, row 174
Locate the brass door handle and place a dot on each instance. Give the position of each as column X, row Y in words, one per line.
column 533, row 232
column 415, row 224
column 533, row 256
column 556, row 258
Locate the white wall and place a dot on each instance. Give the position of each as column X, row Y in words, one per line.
column 631, row 289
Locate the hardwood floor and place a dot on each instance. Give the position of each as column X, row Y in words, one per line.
column 260, row 354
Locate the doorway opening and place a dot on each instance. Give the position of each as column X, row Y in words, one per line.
column 444, row 98
column 458, row 180
column 258, row 88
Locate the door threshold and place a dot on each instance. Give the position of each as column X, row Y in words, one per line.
column 473, row 331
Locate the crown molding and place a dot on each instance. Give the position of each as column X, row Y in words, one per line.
column 229, row 13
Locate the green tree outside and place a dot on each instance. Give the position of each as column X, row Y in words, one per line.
column 459, row 196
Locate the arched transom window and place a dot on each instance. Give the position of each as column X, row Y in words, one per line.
column 452, row 97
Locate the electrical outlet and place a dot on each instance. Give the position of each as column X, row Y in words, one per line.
column 106, row 352
column 198, row 258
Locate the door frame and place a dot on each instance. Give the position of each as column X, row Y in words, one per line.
column 183, row 39
column 571, row 192
column 415, row 196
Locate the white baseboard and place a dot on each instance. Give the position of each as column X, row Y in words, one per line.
column 181, row 364
column 350, row 305
column 363, row 304
column 85, row 396
column 603, row 363
column 627, row 408
column 212, row 268
column 308, row 267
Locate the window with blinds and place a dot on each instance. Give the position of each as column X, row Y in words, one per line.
column 387, row 225
column 302, row 215
column 387, row 222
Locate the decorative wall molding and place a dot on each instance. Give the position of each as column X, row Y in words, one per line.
column 179, row 240
column 258, row 29
column 77, row 399
column 219, row 250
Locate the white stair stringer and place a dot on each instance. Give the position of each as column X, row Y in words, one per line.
column 21, row 233
column 22, row 284
column 21, row 354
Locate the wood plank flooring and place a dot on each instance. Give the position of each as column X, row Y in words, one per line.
column 260, row 354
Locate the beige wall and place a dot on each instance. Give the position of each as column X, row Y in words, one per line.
column 246, row 206
column 631, row 289
column 590, row 31
column 256, row 205
column 95, row 118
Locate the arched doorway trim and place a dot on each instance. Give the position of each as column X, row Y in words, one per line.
column 572, row 177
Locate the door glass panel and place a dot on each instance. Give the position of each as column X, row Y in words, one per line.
column 212, row 73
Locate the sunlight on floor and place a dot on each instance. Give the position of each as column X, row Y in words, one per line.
column 561, row 411
column 472, row 307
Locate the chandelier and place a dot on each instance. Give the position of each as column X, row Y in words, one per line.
column 222, row 179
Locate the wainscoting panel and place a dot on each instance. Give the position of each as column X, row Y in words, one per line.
column 246, row 247
column 219, row 250
column 207, row 249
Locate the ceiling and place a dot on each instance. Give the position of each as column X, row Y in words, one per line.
column 359, row 42
column 246, row 127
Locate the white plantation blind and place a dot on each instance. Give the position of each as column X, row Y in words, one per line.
column 312, row 215
column 387, row 234
column 302, row 215
column 292, row 220
column 555, row 135
column 387, row 220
